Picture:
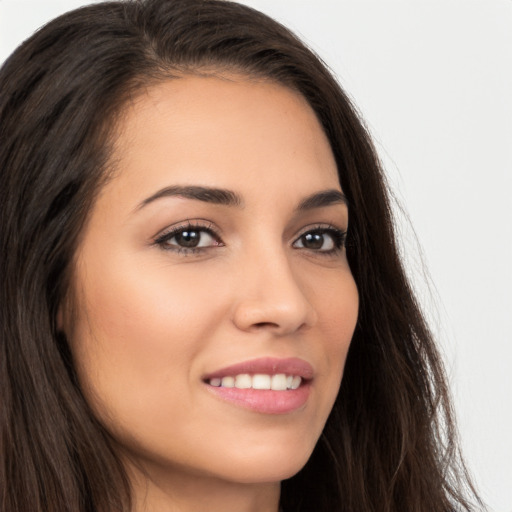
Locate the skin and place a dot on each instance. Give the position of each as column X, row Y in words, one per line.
column 151, row 320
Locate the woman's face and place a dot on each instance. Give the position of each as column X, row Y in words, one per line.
column 214, row 258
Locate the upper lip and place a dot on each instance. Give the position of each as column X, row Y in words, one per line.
column 267, row 366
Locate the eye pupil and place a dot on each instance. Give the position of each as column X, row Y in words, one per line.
column 188, row 238
column 313, row 240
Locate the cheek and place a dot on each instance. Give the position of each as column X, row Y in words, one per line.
column 137, row 335
column 338, row 307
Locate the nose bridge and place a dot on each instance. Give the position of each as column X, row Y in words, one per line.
column 270, row 293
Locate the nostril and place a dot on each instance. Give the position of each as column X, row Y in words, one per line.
column 265, row 324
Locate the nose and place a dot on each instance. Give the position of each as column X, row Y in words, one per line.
column 271, row 297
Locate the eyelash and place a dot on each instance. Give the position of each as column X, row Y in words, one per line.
column 337, row 236
column 163, row 239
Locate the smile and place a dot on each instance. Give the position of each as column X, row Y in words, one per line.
column 278, row 382
column 267, row 385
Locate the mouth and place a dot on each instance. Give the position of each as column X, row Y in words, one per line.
column 266, row 385
column 277, row 382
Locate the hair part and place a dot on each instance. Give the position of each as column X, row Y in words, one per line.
column 390, row 442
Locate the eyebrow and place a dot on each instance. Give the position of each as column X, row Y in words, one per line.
column 229, row 198
column 322, row 199
column 206, row 194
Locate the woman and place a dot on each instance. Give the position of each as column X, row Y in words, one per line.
column 197, row 248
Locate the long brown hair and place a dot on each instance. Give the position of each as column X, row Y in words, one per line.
column 389, row 443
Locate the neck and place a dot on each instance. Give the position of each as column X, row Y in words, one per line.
column 170, row 490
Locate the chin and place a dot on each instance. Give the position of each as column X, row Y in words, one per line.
column 268, row 464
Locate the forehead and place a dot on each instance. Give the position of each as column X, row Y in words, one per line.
column 224, row 131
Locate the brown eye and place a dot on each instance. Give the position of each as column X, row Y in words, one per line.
column 317, row 241
column 188, row 238
column 321, row 240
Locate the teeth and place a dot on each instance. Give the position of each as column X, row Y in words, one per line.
column 295, row 382
column 243, row 381
column 228, row 382
column 278, row 382
column 261, row 381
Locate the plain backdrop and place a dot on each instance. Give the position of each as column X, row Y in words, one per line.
column 433, row 80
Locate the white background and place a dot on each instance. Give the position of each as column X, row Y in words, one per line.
column 433, row 79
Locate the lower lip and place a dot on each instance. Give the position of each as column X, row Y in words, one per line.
column 265, row 401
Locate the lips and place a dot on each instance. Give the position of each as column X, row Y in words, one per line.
column 265, row 385
column 266, row 366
